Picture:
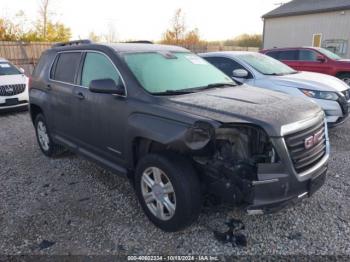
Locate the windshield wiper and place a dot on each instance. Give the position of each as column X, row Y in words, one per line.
column 172, row 92
column 192, row 90
column 220, row 85
column 210, row 86
column 282, row 74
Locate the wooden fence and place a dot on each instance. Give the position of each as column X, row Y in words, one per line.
column 23, row 54
column 26, row 55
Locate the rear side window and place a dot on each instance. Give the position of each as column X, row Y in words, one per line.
column 288, row 55
column 98, row 66
column 66, row 67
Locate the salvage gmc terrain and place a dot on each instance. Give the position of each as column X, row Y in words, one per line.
column 178, row 128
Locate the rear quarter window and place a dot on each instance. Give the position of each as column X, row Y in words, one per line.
column 65, row 67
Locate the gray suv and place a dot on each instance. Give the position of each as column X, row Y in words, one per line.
column 178, row 128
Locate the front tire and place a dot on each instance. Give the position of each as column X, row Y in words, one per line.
column 46, row 144
column 168, row 189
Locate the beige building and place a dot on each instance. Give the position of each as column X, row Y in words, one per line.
column 321, row 23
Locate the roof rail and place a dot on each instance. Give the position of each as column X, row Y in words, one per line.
column 139, row 42
column 76, row 42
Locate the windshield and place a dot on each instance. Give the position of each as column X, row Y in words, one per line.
column 329, row 54
column 8, row 69
column 266, row 65
column 161, row 72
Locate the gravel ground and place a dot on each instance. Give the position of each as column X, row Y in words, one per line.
column 68, row 205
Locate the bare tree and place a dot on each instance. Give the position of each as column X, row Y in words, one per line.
column 44, row 14
column 112, row 35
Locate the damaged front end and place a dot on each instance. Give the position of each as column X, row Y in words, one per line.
column 242, row 165
column 229, row 161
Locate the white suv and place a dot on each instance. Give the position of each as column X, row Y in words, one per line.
column 13, row 86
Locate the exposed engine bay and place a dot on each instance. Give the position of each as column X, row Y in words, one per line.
column 229, row 163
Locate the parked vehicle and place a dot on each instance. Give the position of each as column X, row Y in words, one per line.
column 13, row 86
column 313, row 59
column 178, row 128
column 260, row 70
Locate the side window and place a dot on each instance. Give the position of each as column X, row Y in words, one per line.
column 226, row 65
column 98, row 66
column 307, row 55
column 66, row 67
column 273, row 54
column 288, row 55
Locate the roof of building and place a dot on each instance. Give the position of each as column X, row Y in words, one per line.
column 302, row 7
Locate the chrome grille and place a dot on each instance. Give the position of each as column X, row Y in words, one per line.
column 11, row 90
column 304, row 158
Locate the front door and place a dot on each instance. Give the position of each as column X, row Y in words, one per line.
column 308, row 62
column 101, row 117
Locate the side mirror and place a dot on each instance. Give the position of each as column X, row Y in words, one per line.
column 240, row 73
column 21, row 70
column 321, row 58
column 106, row 86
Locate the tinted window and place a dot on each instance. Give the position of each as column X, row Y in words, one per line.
column 226, row 65
column 66, row 67
column 307, row 55
column 98, row 66
column 288, row 55
column 274, row 54
column 6, row 68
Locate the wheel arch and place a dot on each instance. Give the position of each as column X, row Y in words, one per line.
column 34, row 111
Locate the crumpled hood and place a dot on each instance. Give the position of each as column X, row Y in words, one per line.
column 245, row 104
column 312, row 81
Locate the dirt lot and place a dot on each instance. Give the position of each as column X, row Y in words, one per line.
column 71, row 206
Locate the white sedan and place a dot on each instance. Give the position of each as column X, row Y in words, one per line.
column 259, row 70
column 13, row 86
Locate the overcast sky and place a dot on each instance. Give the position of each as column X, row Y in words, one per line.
column 148, row 19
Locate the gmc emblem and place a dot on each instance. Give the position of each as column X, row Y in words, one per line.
column 313, row 140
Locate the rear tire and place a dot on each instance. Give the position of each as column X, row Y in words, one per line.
column 46, row 144
column 345, row 77
column 168, row 189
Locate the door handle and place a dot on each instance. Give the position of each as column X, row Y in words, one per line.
column 49, row 87
column 80, row 95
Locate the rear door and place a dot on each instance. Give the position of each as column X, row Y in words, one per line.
column 290, row 58
column 101, row 117
column 61, row 87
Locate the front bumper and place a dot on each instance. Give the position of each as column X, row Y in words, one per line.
column 14, row 102
column 336, row 111
column 279, row 185
column 282, row 192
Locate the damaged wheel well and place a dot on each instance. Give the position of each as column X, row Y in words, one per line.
column 143, row 146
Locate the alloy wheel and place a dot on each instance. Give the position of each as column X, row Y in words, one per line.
column 158, row 193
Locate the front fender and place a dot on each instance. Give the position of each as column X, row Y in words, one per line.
column 171, row 133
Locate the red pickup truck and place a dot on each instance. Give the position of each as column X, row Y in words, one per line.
column 313, row 59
